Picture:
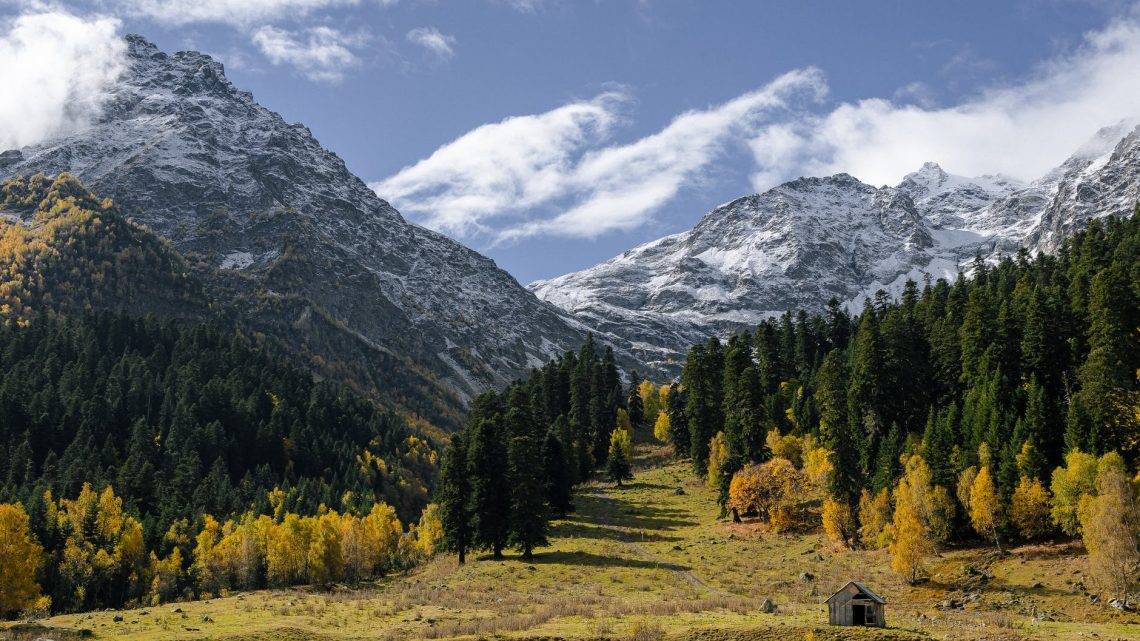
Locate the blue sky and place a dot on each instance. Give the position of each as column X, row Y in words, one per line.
column 565, row 132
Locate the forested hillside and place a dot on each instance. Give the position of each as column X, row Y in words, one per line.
column 64, row 249
column 151, row 448
column 1005, row 404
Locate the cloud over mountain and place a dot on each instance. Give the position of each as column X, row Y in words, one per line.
column 55, row 68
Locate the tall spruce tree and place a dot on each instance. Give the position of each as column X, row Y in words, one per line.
column 490, row 486
column 528, row 508
column 557, row 480
column 453, row 494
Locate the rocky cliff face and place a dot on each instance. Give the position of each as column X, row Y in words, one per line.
column 303, row 249
column 809, row 240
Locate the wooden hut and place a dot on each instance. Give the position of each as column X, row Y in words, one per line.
column 856, row 604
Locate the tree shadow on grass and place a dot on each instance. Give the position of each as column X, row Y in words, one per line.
column 604, row 510
column 580, row 558
column 590, row 531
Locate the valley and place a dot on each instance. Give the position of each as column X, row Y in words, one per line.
column 647, row 560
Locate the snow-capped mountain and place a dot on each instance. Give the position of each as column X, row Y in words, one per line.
column 305, row 249
column 809, row 240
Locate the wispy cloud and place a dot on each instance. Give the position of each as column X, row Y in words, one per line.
column 55, row 68
column 241, row 13
column 430, row 38
column 501, row 168
column 554, row 173
column 1022, row 128
column 319, row 53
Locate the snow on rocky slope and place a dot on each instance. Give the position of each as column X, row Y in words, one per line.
column 809, row 240
column 308, row 251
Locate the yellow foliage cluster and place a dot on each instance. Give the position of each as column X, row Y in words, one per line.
column 774, row 491
column 19, row 559
column 1029, row 509
column 985, row 506
column 100, row 541
column 1110, row 528
column 718, row 454
column 1071, row 482
column 653, row 403
column 922, row 519
column 805, row 453
column 75, row 251
column 838, row 522
column 320, row 549
column 874, row 518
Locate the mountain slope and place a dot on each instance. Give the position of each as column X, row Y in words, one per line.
column 305, row 249
column 809, row 240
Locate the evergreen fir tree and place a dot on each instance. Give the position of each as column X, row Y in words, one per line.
column 528, row 509
column 490, row 487
column 453, row 494
column 557, row 484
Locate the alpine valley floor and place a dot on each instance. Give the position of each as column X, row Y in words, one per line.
column 648, row 562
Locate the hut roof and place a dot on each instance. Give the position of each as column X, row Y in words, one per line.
column 866, row 591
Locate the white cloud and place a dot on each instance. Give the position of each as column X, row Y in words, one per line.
column 556, row 163
column 234, row 12
column 55, row 68
column 499, row 168
column 430, row 38
column 319, row 53
column 1022, row 129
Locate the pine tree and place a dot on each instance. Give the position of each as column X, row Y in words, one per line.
column 453, row 494
column 887, row 463
column 938, row 445
column 556, row 475
column 865, row 388
column 675, row 405
column 836, row 431
column 490, row 487
column 528, row 509
column 635, row 406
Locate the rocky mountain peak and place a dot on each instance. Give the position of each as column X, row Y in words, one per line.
column 813, row 238
column 301, row 246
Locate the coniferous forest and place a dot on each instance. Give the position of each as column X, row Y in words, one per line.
column 513, row 467
column 118, row 434
column 167, row 453
column 992, row 406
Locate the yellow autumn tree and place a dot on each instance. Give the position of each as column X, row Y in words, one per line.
column 1110, row 528
column 20, row 556
column 166, row 576
column 922, row 518
column 774, row 491
column 838, row 522
column 788, row 447
column 429, row 531
column 650, row 400
column 1070, row 483
column 911, row 542
column 101, row 541
column 325, row 556
column 1029, row 509
column 874, row 517
column 985, row 506
column 661, row 427
column 718, row 454
column 287, row 551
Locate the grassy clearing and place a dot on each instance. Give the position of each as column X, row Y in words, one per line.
column 646, row 562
